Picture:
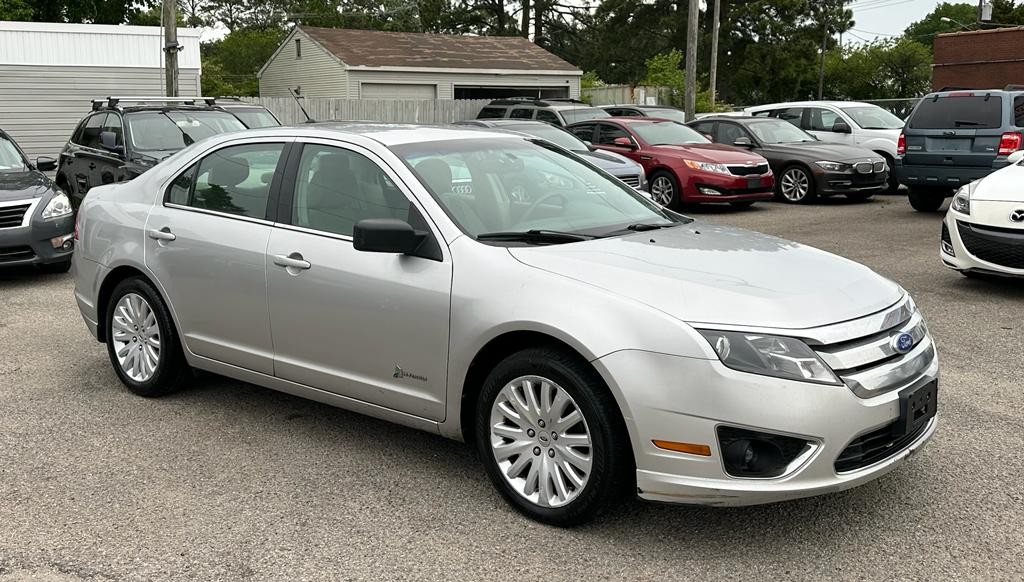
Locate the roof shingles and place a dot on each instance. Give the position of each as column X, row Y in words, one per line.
column 373, row 48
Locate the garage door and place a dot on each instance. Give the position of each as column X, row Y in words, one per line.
column 398, row 91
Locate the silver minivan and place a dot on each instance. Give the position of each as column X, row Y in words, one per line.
column 588, row 343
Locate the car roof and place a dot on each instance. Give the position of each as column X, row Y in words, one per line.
column 636, row 106
column 387, row 134
column 501, row 122
column 630, row 120
column 739, row 118
column 810, row 104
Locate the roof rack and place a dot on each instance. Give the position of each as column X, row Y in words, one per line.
column 113, row 102
column 537, row 101
column 1014, row 88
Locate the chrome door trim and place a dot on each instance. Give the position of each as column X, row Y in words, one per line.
column 187, row 208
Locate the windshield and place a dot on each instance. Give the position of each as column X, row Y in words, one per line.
column 173, row 130
column 11, row 159
column 557, row 136
column 254, row 118
column 778, row 131
column 582, row 114
column 873, row 117
column 667, row 133
column 673, row 114
column 519, row 185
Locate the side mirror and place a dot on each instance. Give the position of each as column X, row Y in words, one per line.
column 1016, row 157
column 841, row 126
column 46, row 164
column 386, row 235
column 624, row 142
column 743, row 142
column 108, row 141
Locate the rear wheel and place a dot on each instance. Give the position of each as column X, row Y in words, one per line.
column 796, row 185
column 926, row 199
column 665, row 189
column 552, row 439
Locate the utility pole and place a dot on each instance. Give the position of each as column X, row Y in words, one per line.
column 821, row 64
column 692, row 21
column 169, row 16
column 714, row 52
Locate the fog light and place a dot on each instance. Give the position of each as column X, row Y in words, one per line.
column 747, row 453
column 946, row 244
column 708, row 191
column 62, row 242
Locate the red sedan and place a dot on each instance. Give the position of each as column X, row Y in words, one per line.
column 682, row 166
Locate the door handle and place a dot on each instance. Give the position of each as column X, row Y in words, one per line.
column 293, row 261
column 162, row 234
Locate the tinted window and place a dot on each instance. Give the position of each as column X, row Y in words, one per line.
column 336, row 188
column 607, row 134
column 548, row 117
column 968, row 112
column 584, row 131
column 792, row 115
column 113, row 125
column 173, row 130
column 1018, row 110
column 821, row 119
column 236, row 180
column 521, row 113
column 90, row 136
column 491, row 113
column 704, row 127
column 728, row 133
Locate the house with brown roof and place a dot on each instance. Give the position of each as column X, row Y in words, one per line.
column 371, row 64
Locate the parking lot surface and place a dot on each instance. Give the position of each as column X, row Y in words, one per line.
column 230, row 481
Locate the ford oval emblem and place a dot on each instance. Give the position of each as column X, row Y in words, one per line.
column 903, row 343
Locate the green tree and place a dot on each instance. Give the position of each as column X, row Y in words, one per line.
column 15, row 10
column 892, row 69
column 924, row 30
column 231, row 63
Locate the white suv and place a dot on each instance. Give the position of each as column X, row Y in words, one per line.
column 845, row 122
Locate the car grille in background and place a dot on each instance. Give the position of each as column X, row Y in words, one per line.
column 999, row 246
column 875, row 446
column 633, row 180
column 12, row 216
column 749, row 170
column 11, row 254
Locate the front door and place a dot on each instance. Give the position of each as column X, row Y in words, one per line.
column 369, row 326
column 820, row 122
column 206, row 244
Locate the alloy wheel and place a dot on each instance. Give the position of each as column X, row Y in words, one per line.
column 662, row 191
column 540, row 441
column 795, row 185
column 136, row 337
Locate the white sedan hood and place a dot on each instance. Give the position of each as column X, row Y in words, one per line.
column 1005, row 185
column 703, row 273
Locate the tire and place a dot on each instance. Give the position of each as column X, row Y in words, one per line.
column 578, row 497
column 926, row 199
column 129, row 325
column 56, row 268
column 796, row 185
column 742, row 204
column 859, row 196
column 668, row 198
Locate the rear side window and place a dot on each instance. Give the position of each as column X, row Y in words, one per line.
column 491, row 113
column 521, row 113
column 234, row 180
column 967, row 112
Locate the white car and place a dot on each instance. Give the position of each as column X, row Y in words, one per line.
column 983, row 232
column 843, row 122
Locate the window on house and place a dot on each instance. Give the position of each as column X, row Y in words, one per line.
column 298, row 48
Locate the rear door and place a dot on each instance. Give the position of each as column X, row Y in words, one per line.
column 960, row 129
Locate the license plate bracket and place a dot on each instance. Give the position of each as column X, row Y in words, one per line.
column 917, row 406
column 753, row 183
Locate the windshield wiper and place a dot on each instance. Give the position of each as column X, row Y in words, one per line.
column 536, row 236
column 186, row 138
column 642, row 227
column 960, row 122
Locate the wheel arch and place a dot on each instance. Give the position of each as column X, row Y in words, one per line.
column 805, row 166
column 113, row 278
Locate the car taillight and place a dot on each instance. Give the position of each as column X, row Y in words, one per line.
column 901, row 144
column 1010, row 142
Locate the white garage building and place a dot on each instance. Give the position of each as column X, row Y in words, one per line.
column 368, row 64
column 50, row 72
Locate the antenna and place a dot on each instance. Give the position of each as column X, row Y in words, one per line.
column 298, row 100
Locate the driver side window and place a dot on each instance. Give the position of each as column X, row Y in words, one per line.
column 607, row 134
column 728, row 133
column 821, row 119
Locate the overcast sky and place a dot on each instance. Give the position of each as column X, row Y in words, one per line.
column 885, row 18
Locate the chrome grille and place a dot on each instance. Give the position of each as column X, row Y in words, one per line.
column 633, row 180
column 13, row 216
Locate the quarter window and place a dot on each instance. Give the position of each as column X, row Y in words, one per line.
column 113, row 125
column 521, row 113
column 234, row 180
column 792, row 115
column 548, row 117
column 90, row 136
column 491, row 113
column 336, row 188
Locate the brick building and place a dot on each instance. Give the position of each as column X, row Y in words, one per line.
column 979, row 59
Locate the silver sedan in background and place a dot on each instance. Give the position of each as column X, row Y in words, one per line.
column 588, row 343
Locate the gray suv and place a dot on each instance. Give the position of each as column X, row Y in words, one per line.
column 954, row 137
column 560, row 112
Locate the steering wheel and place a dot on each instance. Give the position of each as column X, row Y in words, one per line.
column 533, row 207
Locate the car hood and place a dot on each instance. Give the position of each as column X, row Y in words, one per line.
column 22, row 185
column 610, row 162
column 704, row 273
column 1000, row 186
column 822, row 151
column 707, row 152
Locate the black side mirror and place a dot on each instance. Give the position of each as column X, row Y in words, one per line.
column 45, row 163
column 743, row 142
column 386, row 235
column 108, row 141
column 841, row 126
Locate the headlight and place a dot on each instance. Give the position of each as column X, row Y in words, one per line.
column 832, row 166
column 961, row 202
column 58, row 206
column 769, row 355
column 708, row 167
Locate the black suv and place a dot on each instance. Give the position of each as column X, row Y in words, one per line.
column 954, row 137
column 125, row 136
column 557, row 111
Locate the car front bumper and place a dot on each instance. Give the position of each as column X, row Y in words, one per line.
column 686, row 400
column 833, row 183
column 997, row 251
column 33, row 244
column 712, row 187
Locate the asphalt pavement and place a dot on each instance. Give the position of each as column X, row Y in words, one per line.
column 228, row 481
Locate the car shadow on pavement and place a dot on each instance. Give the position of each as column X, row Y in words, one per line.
column 13, row 277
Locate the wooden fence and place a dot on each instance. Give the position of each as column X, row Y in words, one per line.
column 437, row 111
column 621, row 94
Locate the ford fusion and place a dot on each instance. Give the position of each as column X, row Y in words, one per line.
column 589, row 344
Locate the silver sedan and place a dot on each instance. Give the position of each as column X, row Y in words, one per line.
column 493, row 288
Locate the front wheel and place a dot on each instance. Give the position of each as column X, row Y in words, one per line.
column 796, row 185
column 925, row 199
column 664, row 189
column 552, row 439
